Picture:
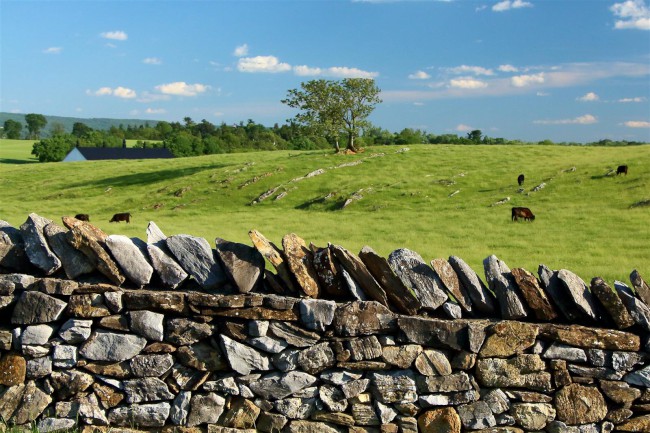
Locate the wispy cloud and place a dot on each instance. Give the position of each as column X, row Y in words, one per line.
column 637, row 124
column 181, row 88
column 155, row 111
column 262, row 64
column 508, row 68
column 117, row 35
column 118, row 92
column 419, row 75
column 631, row 14
column 53, row 50
column 152, row 61
column 506, row 5
column 463, row 128
column 589, row 97
column 467, row 83
column 271, row 64
column 635, row 99
column 587, row 119
column 527, row 80
column 465, row 69
column 241, row 51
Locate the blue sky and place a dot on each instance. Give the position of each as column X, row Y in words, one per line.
column 564, row 70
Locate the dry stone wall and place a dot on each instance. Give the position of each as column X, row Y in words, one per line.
column 106, row 333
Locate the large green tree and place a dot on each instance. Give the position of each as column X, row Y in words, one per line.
column 335, row 108
column 35, row 123
column 12, row 129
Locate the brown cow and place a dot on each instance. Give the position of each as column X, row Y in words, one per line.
column 520, row 179
column 522, row 212
column 121, row 217
column 82, row 217
column 622, row 169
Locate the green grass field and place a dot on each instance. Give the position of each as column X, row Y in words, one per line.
column 587, row 222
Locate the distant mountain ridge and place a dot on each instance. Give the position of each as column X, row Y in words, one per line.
column 67, row 122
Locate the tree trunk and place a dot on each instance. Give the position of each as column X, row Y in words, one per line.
column 336, row 144
column 351, row 143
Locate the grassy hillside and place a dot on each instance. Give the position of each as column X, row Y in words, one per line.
column 586, row 221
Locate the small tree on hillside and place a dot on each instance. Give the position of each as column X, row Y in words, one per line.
column 35, row 123
column 335, row 108
column 12, row 129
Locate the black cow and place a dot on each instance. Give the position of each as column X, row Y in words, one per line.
column 520, row 179
column 622, row 169
column 121, row 217
column 82, row 217
column 522, row 212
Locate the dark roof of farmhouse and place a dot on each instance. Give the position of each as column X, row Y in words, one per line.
column 98, row 153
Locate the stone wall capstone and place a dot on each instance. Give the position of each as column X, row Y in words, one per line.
column 106, row 333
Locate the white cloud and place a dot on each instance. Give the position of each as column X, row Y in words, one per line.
column 510, row 4
column 115, row 35
column 241, row 51
column 152, row 61
column 587, row 119
column 305, row 71
column 119, row 92
column 467, row 83
column 181, row 88
column 527, row 80
column 508, row 68
column 635, row 99
column 463, row 128
column 155, row 111
column 345, row 72
column 476, row 70
column 262, row 64
column 419, row 75
column 542, row 94
column 53, row 50
column 637, row 124
column 589, row 97
column 632, row 14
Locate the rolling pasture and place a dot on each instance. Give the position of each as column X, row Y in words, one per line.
column 437, row 200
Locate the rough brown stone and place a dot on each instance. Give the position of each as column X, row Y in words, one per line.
column 579, row 404
column 274, row 255
column 612, row 303
column 328, row 272
column 88, row 306
column 163, row 302
column 508, row 338
column 535, row 297
column 399, row 296
column 640, row 287
column 401, row 356
column 445, row 420
column 363, row 318
column 90, row 240
column 523, row 371
column 242, row 414
column 450, row 334
column 452, row 283
column 591, row 338
column 361, row 274
column 300, row 261
column 636, row 424
column 12, row 369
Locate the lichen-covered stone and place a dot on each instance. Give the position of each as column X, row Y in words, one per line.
column 579, row 404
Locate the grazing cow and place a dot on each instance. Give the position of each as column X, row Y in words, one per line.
column 82, row 217
column 121, row 217
column 522, row 212
column 520, row 179
column 622, row 169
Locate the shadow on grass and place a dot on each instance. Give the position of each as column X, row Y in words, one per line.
column 322, row 203
column 147, row 178
column 17, row 161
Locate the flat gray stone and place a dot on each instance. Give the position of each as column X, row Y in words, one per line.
column 482, row 299
column 36, row 246
column 151, row 365
column 277, row 386
column 242, row 358
column 147, row 324
column 419, row 277
column 74, row 262
column 12, row 249
column 36, row 335
column 197, row 258
column 639, row 311
column 146, row 389
column 317, row 314
column 244, row 265
column 180, row 408
column 75, row 331
column 35, row 307
column 579, row 293
column 205, row 409
column 503, row 284
column 129, row 257
column 142, row 415
column 111, row 346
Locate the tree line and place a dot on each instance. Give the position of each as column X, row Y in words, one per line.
column 328, row 112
